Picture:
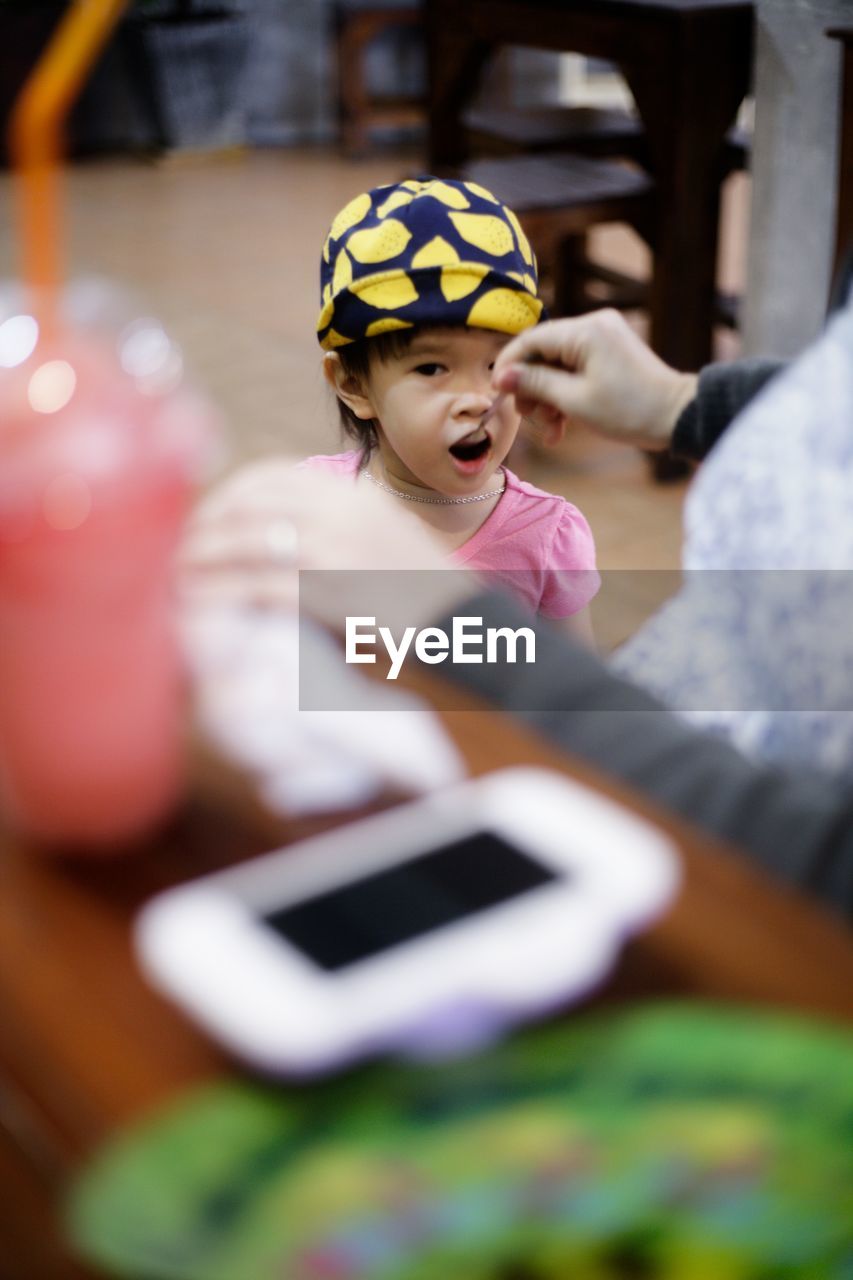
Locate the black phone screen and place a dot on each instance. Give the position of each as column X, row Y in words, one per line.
column 379, row 911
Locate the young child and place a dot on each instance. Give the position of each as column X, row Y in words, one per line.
column 422, row 284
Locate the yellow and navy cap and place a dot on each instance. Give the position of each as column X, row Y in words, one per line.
column 425, row 251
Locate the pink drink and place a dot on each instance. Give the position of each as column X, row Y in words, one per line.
column 95, row 478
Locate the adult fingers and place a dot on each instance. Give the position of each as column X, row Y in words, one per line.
column 557, row 342
column 543, row 384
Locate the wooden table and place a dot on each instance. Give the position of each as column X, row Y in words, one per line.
column 86, row 1046
column 687, row 63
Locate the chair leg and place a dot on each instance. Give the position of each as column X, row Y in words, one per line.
column 353, row 36
column 142, row 80
column 570, row 260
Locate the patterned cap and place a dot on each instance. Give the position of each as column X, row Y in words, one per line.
column 425, row 251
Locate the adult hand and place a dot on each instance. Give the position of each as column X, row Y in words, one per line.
column 248, row 538
column 594, row 371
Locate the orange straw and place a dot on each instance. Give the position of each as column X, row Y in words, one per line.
column 36, row 135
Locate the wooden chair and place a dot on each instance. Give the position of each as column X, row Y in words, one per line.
column 595, row 131
column 601, row 193
column 561, row 196
column 357, row 26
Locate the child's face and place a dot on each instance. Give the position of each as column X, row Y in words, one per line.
column 428, row 403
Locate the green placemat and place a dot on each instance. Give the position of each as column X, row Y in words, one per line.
column 677, row 1142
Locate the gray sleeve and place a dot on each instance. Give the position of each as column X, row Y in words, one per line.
column 723, row 391
column 797, row 826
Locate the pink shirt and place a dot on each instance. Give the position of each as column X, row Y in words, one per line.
column 534, row 544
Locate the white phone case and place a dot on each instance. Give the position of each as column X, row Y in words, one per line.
column 207, row 945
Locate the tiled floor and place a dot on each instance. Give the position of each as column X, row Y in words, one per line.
column 225, row 251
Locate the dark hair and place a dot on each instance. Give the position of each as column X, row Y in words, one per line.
column 356, row 359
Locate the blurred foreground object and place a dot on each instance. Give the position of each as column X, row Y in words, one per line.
column 97, row 450
column 37, row 139
column 672, row 1141
column 425, row 931
column 99, row 444
column 245, row 669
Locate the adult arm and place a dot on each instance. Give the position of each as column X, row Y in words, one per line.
column 796, row 825
column 594, row 371
column 722, row 391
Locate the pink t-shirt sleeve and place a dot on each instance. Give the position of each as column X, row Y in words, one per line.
column 571, row 578
column 342, row 464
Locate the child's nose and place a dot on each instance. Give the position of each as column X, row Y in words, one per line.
column 473, row 402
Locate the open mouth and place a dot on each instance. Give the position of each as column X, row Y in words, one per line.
column 468, row 450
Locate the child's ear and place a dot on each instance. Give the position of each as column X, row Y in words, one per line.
column 347, row 387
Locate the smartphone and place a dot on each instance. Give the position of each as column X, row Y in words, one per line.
column 425, row 930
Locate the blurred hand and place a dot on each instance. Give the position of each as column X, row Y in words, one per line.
column 248, row 538
column 593, row 371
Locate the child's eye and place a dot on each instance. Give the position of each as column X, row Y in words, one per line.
column 429, row 369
